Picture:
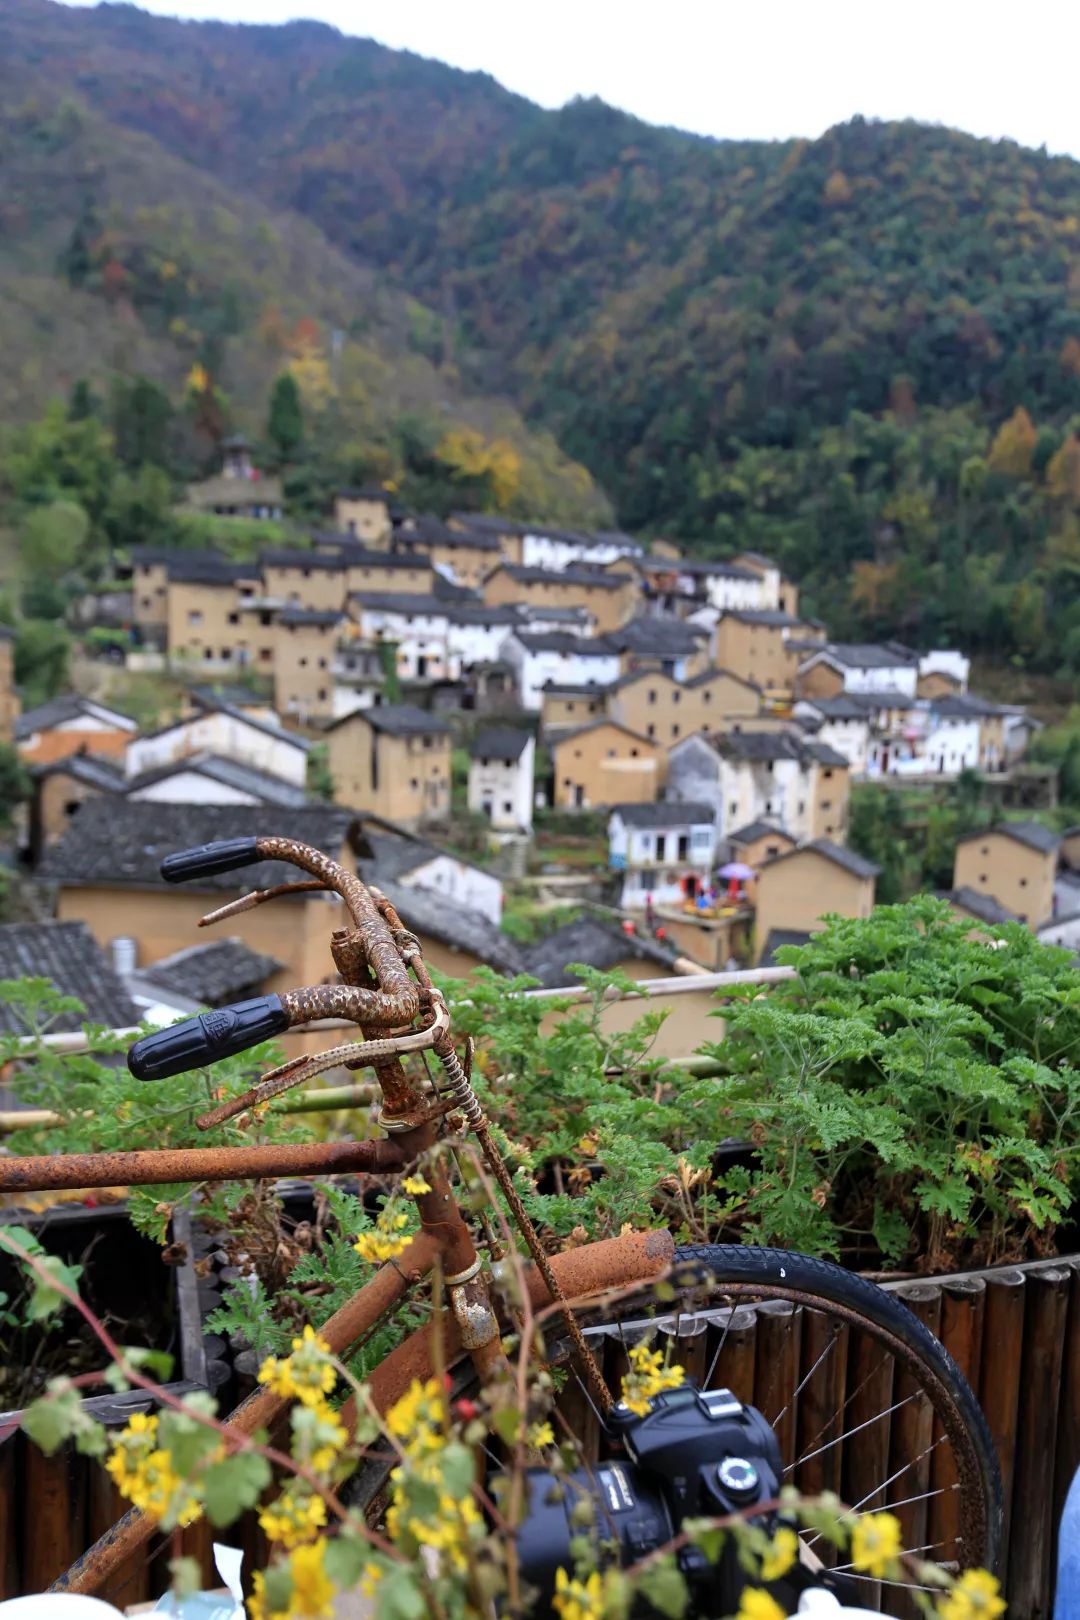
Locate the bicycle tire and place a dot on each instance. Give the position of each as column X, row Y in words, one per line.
column 739, row 1270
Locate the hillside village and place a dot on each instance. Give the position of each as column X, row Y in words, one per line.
column 649, row 754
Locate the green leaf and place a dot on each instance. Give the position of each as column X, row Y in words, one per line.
column 59, row 1415
column 662, row 1585
column 45, row 1300
column 400, row 1596
column 345, row 1558
column 234, row 1484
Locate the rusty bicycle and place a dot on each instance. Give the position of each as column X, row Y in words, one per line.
column 863, row 1398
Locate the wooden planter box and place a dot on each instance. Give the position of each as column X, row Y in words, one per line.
column 52, row 1508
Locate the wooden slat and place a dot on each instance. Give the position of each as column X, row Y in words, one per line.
column 10, row 1528
column 776, row 1373
column 1029, row 1580
column 1068, row 1448
column 911, row 1440
column 55, row 1521
column 963, row 1303
column 871, row 1376
column 1000, row 1377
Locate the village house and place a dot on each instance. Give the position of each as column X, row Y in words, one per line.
column 688, row 582
column 105, row 871
column 748, row 776
column 604, row 763
column 656, row 641
column 363, row 513
column 843, row 722
column 1015, row 863
column 240, row 489
column 755, row 645
column 660, row 707
column 300, row 577
column 602, row 945
column 983, row 908
column 209, row 779
column 796, row 890
column 509, row 534
column 70, row 724
column 393, row 760
column 782, row 593
column 665, row 851
column 565, row 706
column 609, row 598
column 558, row 549
column 454, row 938
column 305, row 640
column 227, row 732
column 387, row 855
column 209, row 975
column 60, row 788
column 211, row 615
column 368, row 569
column 418, row 626
column 885, row 669
column 150, row 585
column 542, row 656
column 465, row 556
column 501, row 760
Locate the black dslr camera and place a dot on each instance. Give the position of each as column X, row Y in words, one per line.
column 695, row 1453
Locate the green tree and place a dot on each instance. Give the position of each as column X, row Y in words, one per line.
column 56, row 458
column 141, row 418
column 140, row 509
column 53, row 539
column 14, row 783
column 82, row 401
column 1069, row 773
column 285, row 421
column 42, row 655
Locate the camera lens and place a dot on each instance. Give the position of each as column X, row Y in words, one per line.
column 737, row 1476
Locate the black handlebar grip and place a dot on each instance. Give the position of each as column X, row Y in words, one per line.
column 205, row 1039
column 207, row 859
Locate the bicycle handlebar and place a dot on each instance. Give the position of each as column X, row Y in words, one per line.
column 206, row 860
column 207, row 1038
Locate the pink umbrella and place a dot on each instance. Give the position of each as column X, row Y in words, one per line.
column 737, row 870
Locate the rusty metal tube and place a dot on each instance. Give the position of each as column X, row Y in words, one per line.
column 260, row 1409
column 153, row 1166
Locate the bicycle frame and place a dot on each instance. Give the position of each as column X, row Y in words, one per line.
column 377, row 946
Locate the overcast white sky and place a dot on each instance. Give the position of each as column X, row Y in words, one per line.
column 744, row 67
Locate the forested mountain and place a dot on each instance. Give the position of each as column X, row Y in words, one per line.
column 817, row 347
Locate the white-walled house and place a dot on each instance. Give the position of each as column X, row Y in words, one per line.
column 664, row 850
column 400, row 859
column 540, row 656
column 843, row 723
column 749, row 776
column 209, row 779
column 945, row 661
column 418, row 625
column 560, row 548
column 228, row 733
column 885, row 667
column 501, row 762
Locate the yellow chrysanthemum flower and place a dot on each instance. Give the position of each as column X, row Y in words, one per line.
column 876, row 1542
column 976, row 1596
column 540, row 1434
column 313, row 1591
column 758, row 1605
column 648, row 1377
column 387, row 1239
column 578, row 1600
column 295, row 1516
column 308, row 1375
column 780, row 1554
column 415, row 1186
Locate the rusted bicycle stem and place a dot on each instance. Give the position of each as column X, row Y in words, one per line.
column 150, row 1167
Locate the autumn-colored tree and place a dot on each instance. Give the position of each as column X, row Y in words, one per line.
column 838, row 189
column 471, row 457
column 1070, row 356
column 1014, row 445
column 309, row 366
column 1063, row 472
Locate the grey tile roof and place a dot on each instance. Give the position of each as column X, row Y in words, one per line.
column 122, row 842
column 300, row 557
column 481, row 613
column 564, row 641
column 716, row 673
column 845, row 706
column 412, row 604
column 230, row 692
column 758, row 829
column 773, row 618
column 703, row 567
column 491, row 522
column 984, row 906
column 868, row 655
column 448, row 591
column 231, row 773
column 825, row 755
column 597, row 943
column 759, row 745
column 965, row 705
column 69, row 706
column 840, row 856
column 384, row 855
column 668, row 813
column 430, row 532
column 96, row 770
column 314, row 617
column 563, row 576
column 593, row 725
column 197, row 568
column 69, row 955
column 1031, row 833
column 399, row 720
column 354, row 554
column 220, row 971
column 657, row 636
column 454, row 925
column 265, row 726
column 499, row 742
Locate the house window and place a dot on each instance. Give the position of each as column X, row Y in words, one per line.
column 414, row 784
column 194, row 616
column 827, row 773
column 983, row 877
column 652, row 695
column 234, row 618
column 322, row 663
column 1023, row 883
column 322, row 694
column 633, row 753
column 734, row 809
column 676, row 697
column 507, row 807
column 303, row 663
column 706, row 696
column 826, row 804
column 208, row 652
column 266, row 653
column 650, row 730
column 226, row 653
column 577, row 753
column 674, row 731
column 802, row 806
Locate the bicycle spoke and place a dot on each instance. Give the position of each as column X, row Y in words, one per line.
column 856, row 1430
column 798, row 1391
column 912, row 1552
column 720, row 1347
column 869, row 1497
